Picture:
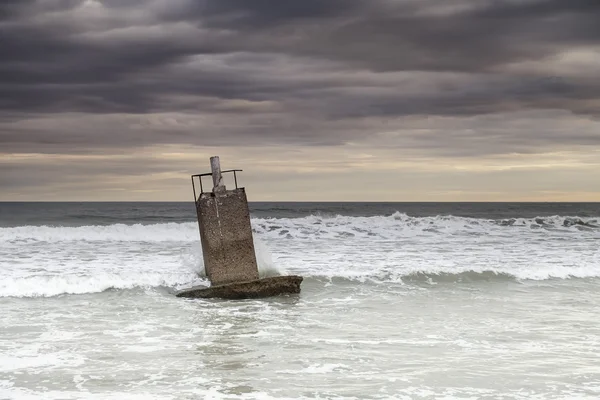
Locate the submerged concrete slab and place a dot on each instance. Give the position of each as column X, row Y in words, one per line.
column 266, row 287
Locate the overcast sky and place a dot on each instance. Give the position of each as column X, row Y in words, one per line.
column 379, row 100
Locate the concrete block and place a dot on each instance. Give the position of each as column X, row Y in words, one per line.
column 228, row 246
column 266, row 287
column 226, row 234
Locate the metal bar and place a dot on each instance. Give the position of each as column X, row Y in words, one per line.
column 199, row 176
column 196, row 199
column 210, row 173
column 194, row 187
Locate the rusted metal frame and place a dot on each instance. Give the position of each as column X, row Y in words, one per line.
column 210, row 174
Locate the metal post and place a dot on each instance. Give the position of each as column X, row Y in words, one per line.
column 194, row 187
column 215, row 166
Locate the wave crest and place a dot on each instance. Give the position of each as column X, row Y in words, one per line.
column 304, row 227
column 400, row 225
column 47, row 260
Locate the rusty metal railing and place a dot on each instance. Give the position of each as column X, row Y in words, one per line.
column 199, row 176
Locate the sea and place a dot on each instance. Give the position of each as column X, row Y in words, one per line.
column 399, row 301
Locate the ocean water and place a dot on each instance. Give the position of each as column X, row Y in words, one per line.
column 399, row 301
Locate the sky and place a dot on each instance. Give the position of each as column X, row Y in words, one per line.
column 316, row 100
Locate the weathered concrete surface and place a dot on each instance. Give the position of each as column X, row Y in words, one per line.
column 226, row 235
column 243, row 290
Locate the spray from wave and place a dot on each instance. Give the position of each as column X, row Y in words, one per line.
column 49, row 261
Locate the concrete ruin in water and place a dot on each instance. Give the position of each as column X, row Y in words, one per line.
column 228, row 245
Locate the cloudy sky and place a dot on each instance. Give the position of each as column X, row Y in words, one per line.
column 381, row 100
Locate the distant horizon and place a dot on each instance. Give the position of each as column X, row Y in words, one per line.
column 314, row 201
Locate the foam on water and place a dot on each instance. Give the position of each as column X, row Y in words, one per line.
column 52, row 260
column 400, row 225
column 45, row 285
column 164, row 232
column 395, row 226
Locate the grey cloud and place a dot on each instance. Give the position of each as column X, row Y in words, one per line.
column 324, row 69
column 261, row 14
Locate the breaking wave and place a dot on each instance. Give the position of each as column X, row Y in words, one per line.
column 424, row 277
column 165, row 232
column 402, row 225
column 52, row 285
column 305, row 227
column 53, row 260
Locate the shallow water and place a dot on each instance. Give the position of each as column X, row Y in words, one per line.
column 393, row 306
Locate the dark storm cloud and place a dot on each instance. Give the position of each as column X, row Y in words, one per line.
column 258, row 14
column 401, row 35
column 317, row 65
column 471, row 41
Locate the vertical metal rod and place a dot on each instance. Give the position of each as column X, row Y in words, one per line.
column 195, row 198
column 201, row 188
column 235, row 179
column 194, row 187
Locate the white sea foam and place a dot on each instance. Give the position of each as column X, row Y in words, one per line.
column 47, row 261
column 44, row 285
column 317, row 369
column 24, row 360
column 400, row 225
column 394, row 226
column 166, row 232
column 399, row 248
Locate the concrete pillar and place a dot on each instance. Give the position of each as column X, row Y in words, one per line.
column 228, row 246
column 226, row 236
